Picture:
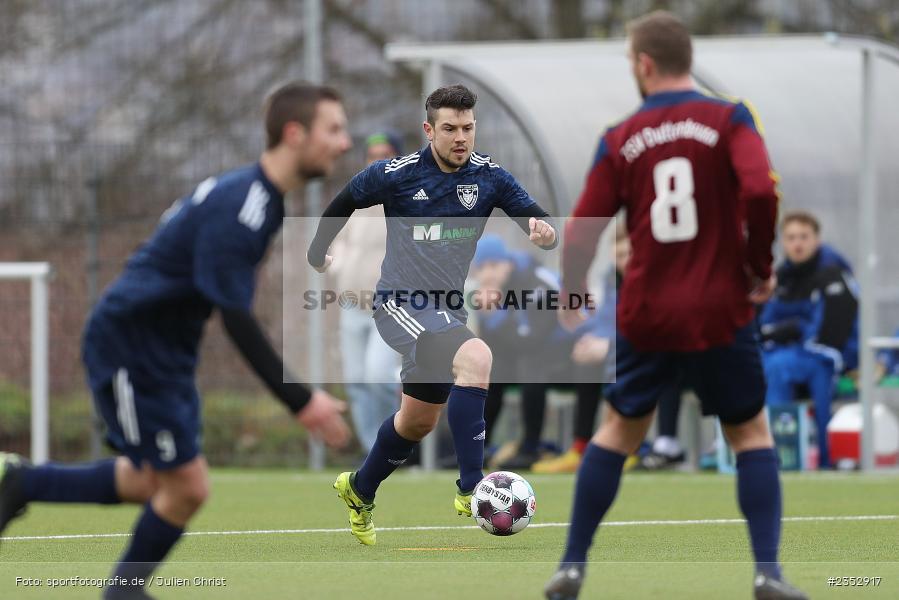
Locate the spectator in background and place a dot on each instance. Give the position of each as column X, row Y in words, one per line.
column 888, row 362
column 595, row 341
column 499, row 271
column 370, row 367
column 666, row 450
column 810, row 326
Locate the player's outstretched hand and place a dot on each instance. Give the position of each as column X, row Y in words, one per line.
column 590, row 349
column 570, row 318
column 542, row 232
column 323, row 418
column 763, row 290
column 324, row 267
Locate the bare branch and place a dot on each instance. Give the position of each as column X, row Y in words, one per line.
column 504, row 13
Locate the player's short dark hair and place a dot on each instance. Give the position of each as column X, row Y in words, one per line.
column 456, row 96
column 801, row 216
column 665, row 39
column 296, row 101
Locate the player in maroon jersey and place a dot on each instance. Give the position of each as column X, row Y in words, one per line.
column 693, row 175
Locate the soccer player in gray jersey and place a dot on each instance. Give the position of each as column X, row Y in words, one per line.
column 437, row 202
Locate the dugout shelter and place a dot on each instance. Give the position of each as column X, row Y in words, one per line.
column 827, row 104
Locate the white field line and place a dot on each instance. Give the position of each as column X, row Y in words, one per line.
column 82, row 536
column 887, row 476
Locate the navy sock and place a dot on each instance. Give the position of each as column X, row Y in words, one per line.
column 758, row 492
column 465, row 413
column 389, row 452
column 153, row 538
column 597, row 484
column 90, row 482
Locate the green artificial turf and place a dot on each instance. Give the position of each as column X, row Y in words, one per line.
column 635, row 556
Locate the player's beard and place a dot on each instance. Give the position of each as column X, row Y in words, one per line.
column 450, row 160
column 309, row 173
column 308, row 169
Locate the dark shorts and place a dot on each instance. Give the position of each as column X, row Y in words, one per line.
column 729, row 380
column 158, row 423
column 427, row 339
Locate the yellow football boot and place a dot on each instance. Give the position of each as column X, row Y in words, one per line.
column 361, row 524
column 462, row 502
column 565, row 463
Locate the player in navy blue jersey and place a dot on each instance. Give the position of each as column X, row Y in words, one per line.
column 436, row 201
column 140, row 344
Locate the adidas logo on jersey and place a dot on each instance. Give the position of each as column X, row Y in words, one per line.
column 481, row 436
column 420, row 195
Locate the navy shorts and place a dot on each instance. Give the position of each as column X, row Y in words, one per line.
column 729, row 380
column 402, row 327
column 158, row 423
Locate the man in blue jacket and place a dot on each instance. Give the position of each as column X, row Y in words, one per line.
column 810, row 326
column 888, row 362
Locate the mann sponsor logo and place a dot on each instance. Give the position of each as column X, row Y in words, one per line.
column 436, row 232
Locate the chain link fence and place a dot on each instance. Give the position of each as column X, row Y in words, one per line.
column 110, row 110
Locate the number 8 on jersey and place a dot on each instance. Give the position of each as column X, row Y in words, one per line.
column 673, row 212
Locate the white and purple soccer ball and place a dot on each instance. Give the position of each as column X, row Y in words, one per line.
column 503, row 503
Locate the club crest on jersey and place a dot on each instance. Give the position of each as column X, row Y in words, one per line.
column 468, row 194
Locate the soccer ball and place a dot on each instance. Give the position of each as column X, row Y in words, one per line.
column 503, row 503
